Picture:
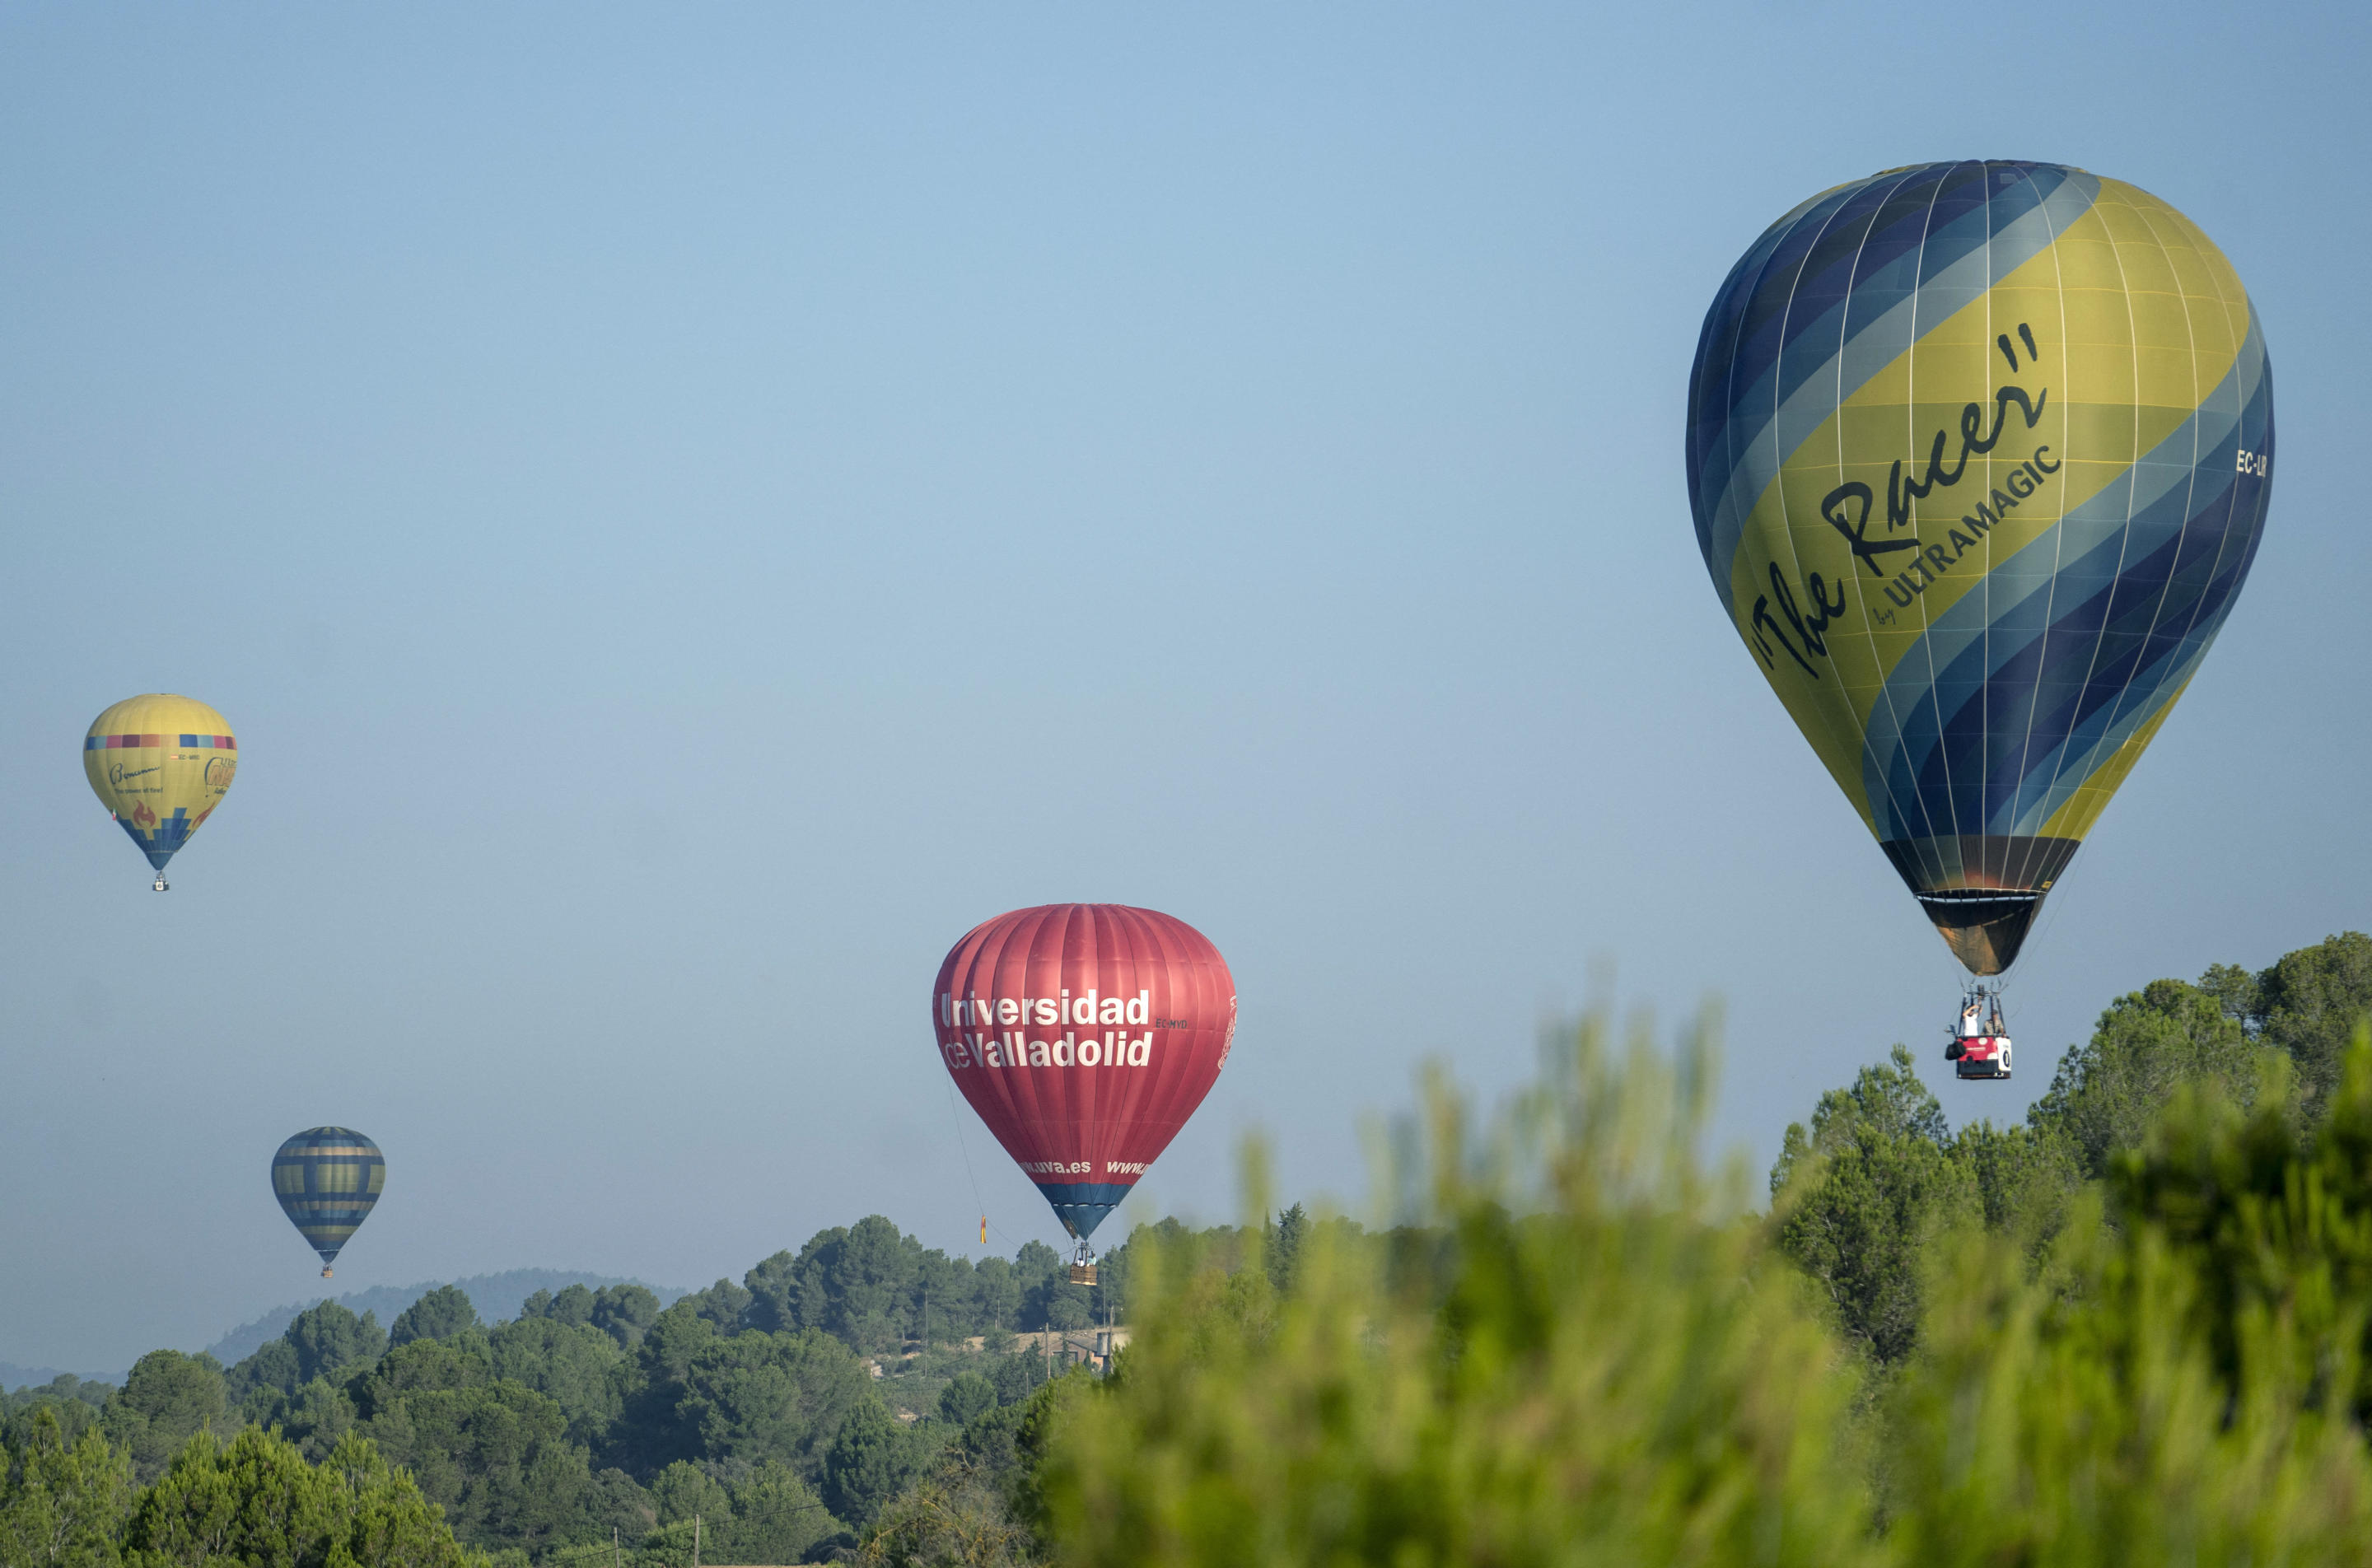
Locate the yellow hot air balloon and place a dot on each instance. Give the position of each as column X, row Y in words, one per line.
column 1979, row 455
column 160, row 765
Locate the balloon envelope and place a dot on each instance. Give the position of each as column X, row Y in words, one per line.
column 1085, row 1034
column 327, row 1179
column 160, row 764
column 1979, row 455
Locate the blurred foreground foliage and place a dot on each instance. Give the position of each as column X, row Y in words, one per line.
column 2035, row 1346
column 1579, row 1349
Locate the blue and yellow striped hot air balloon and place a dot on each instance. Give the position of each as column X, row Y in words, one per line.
column 160, row 764
column 1979, row 455
column 327, row 1179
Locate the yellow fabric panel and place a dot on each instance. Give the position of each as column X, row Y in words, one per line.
column 144, row 784
column 2114, row 304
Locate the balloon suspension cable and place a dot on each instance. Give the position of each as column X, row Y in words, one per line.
column 965, row 1150
column 2051, row 910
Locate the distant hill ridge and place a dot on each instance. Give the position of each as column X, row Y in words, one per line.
column 496, row 1297
column 14, row 1376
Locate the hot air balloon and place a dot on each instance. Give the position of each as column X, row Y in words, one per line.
column 160, row 765
column 327, row 1179
column 1085, row 1034
column 1979, row 455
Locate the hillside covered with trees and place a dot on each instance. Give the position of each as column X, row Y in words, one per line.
column 494, row 1295
column 756, row 1407
column 1878, row 1175
column 2134, row 1327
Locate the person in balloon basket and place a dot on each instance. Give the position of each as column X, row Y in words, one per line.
column 1979, row 1047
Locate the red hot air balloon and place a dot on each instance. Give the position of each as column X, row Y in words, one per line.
column 1085, row 1034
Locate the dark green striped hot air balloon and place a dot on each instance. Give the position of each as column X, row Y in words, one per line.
column 327, row 1179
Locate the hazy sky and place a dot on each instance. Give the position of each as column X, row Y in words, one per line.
column 688, row 510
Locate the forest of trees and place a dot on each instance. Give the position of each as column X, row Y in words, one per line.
column 755, row 1407
column 2136, row 1325
column 1878, row 1173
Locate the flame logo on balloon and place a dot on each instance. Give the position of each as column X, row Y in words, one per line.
column 143, row 816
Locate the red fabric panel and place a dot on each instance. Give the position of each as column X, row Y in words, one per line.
column 1056, row 1117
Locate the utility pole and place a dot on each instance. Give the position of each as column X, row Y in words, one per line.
column 613, row 1547
column 695, row 1541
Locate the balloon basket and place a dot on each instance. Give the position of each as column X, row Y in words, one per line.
column 1082, row 1274
column 1987, row 1056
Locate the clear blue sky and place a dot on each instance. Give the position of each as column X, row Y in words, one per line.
column 689, row 509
